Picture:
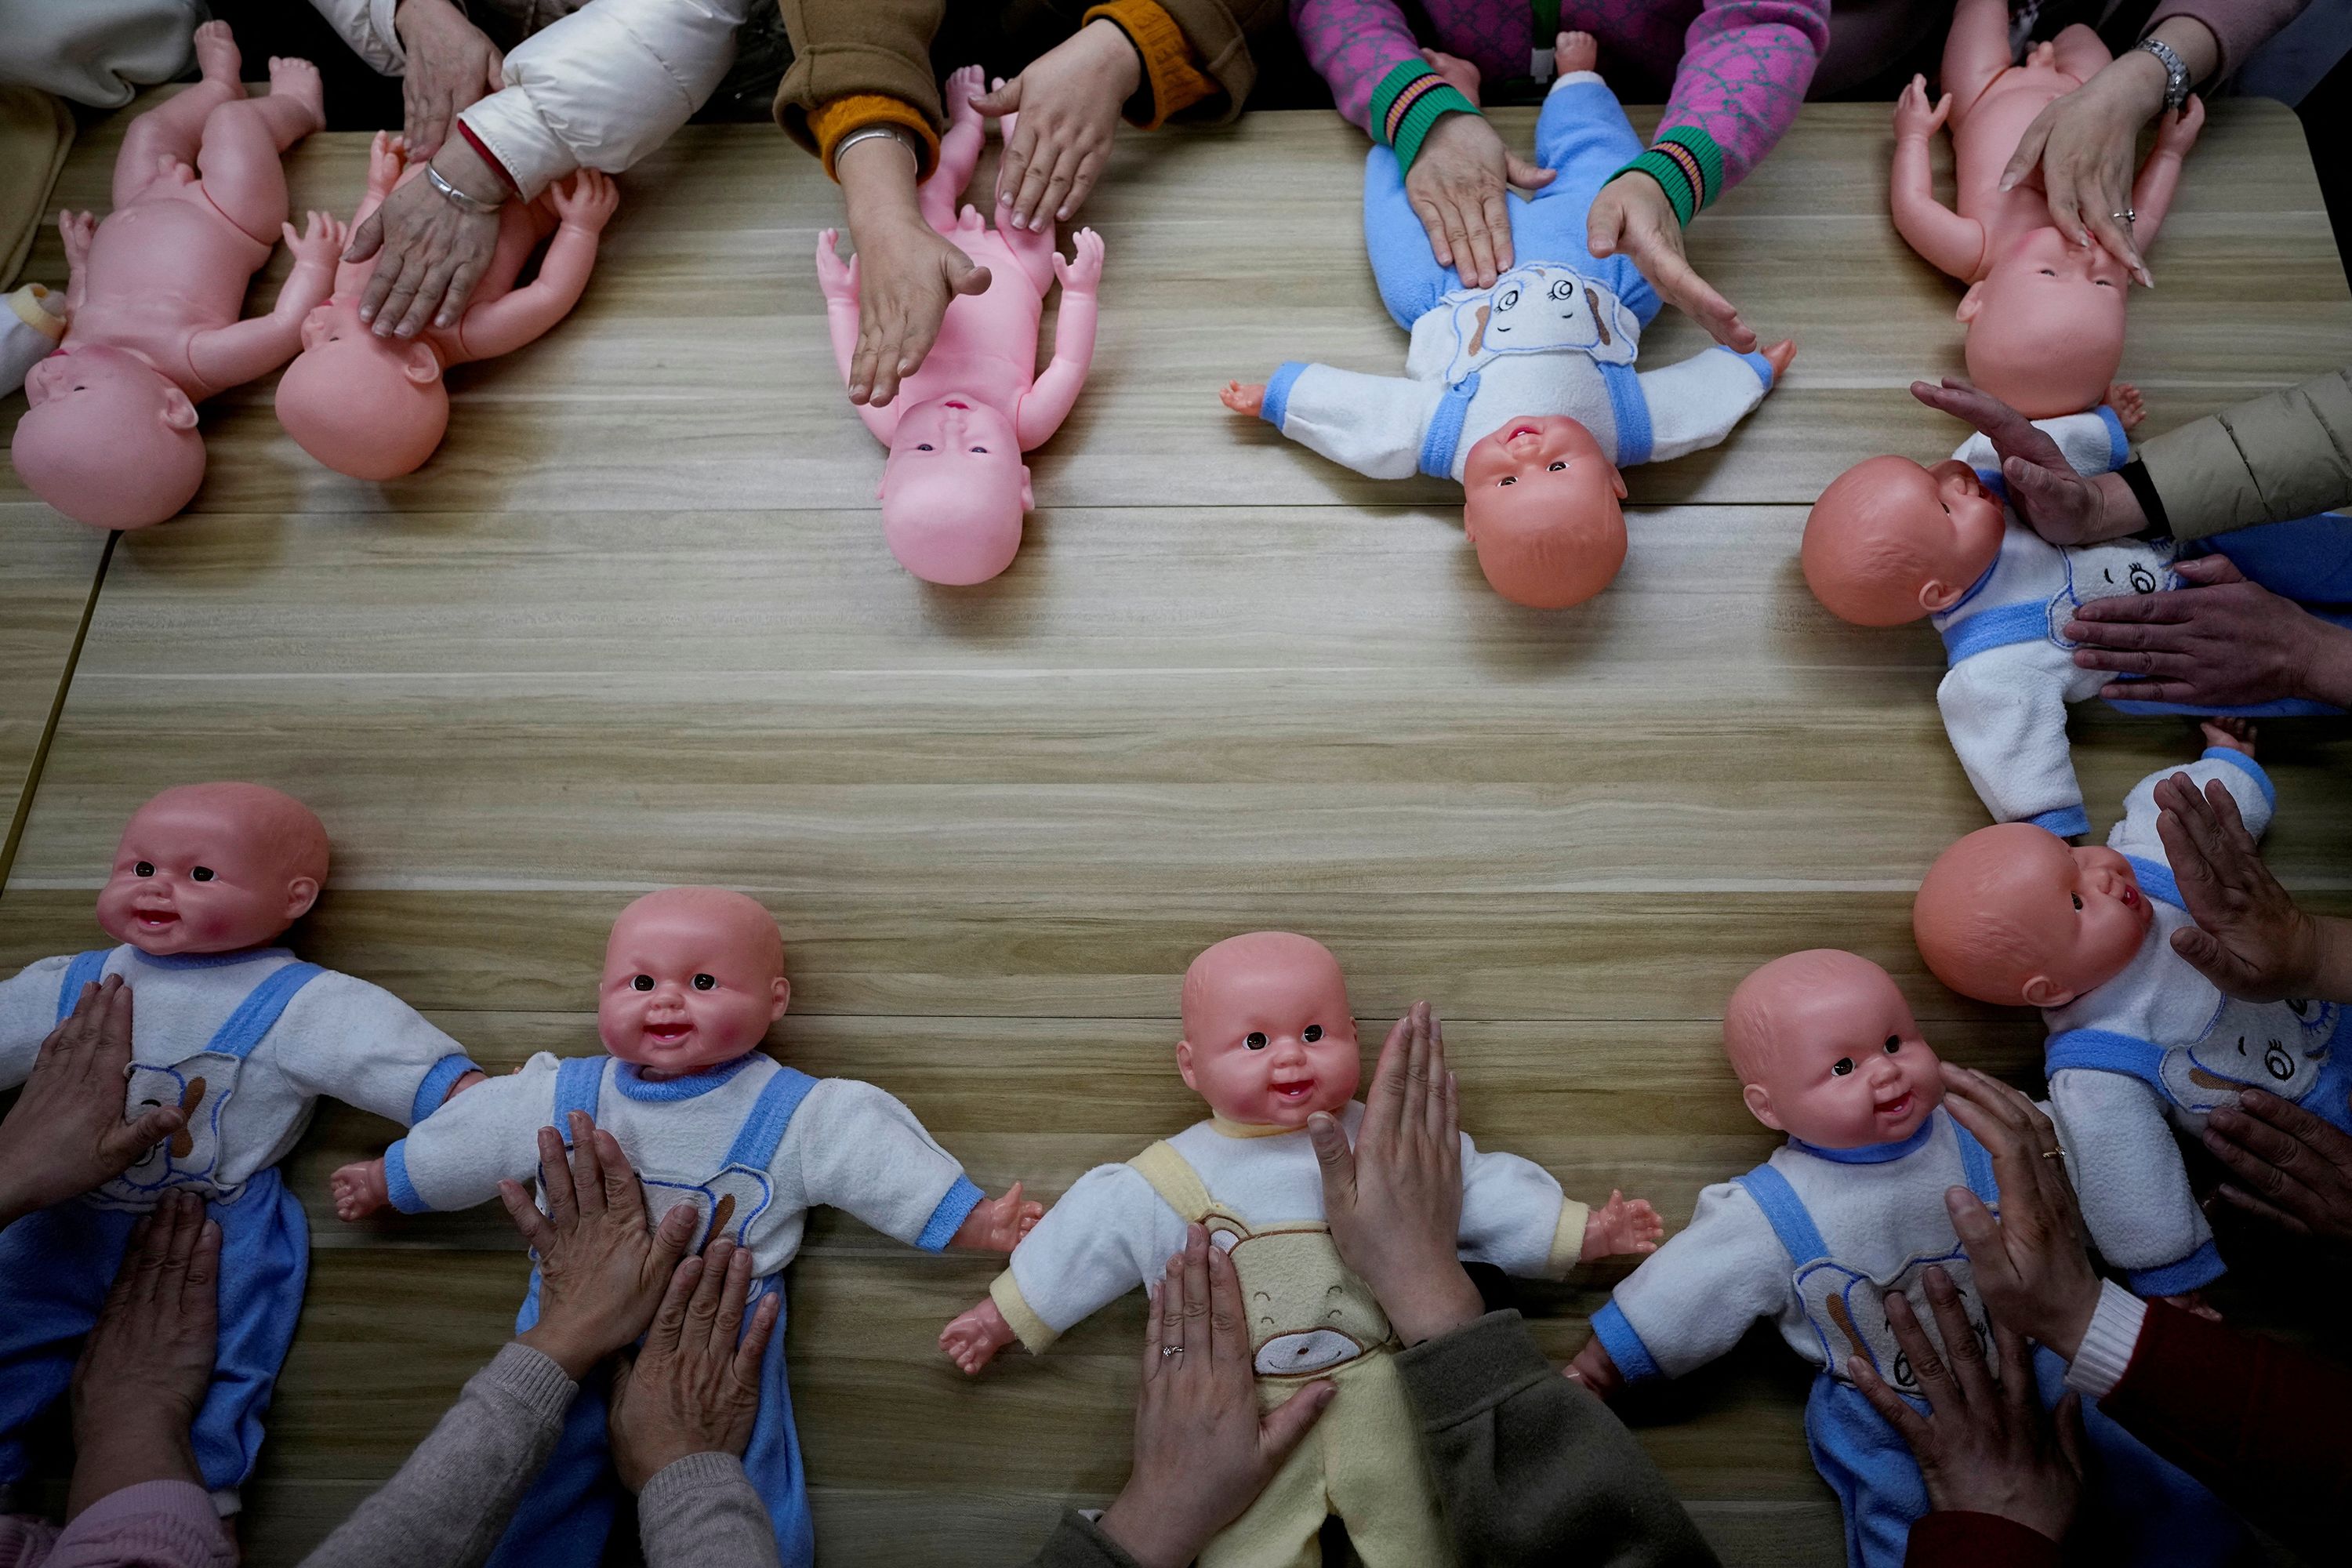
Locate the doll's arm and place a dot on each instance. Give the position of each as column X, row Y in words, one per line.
column 29, row 1010
column 1692, row 1300
column 232, row 355
column 1951, row 244
column 1373, row 424
column 2239, row 773
column 584, row 204
column 76, row 230
column 2134, row 1191
column 2092, row 442
column 1515, row 1216
column 456, row 1157
column 855, row 1147
column 2005, row 711
column 1695, row 402
column 838, row 280
column 2160, row 175
column 358, row 1043
column 1048, row 402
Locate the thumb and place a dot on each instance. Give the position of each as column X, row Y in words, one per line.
column 1527, row 176
column 1979, row 1233
column 2043, row 491
column 671, row 1238
column 1287, row 1422
column 2210, row 570
column 2206, row 955
column 1602, row 227
column 368, row 239
column 129, row 1141
column 1337, row 1160
column 2068, row 1418
column 1005, row 97
column 965, row 276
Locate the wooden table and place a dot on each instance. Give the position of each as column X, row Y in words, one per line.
column 635, row 626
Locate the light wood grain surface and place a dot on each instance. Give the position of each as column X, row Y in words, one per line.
column 635, row 626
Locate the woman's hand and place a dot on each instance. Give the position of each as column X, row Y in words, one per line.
column 695, row 1386
column 147, row 1363
column 906, row 271
column 452, row 65
column 429, row 252
column 2056, row 501
column 1632, row 215
column 66, row 1133
column 2220, row 642
column 2292, row 1168
column 1457, row 186
column 2033, row 1268
column 1068, row 103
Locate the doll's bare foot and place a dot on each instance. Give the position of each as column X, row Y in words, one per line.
column 1244, row 398
column 1456, row 72
column 360, row 1190
column 1780, row 356
column 962, row 87
column 2230, row 734
column 2129, row 406
column 217, row 56
column 298, row 80
column 1575, row 52
column 973, row 1341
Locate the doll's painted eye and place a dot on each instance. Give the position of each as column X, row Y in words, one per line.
column 706, row 983
column 1842, row 1067
column 1563, row 290
column 1894, row 1044
column 145, row 868
column 1509, row 298
column 1508, row 479
column 980, row 450
column 1312, row 1033
column 923, row 447
column 1255, row 1039
column 2078, row 901
column 200, row 873
column 2047, row 272
column 2106, row 282
column 642, row 983
column 1555, row 467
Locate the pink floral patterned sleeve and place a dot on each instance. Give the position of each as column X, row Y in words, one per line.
column 1354, row 44
column 1745, row 68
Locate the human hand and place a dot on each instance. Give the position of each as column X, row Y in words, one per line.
column 1984, row 1446
column 1202, row 1453
column 2251, row 940
column 321, row 243
column 2083, row 142
column 2293, row 1169
column 2220, row 642
column 76, row 230
column 1068, row 102
column 1457, row 186
column 587, row 200
column 149, row 1359
column 1082, row 273
column 1394, row 1201
column 1632, row 215
column 432, row 251
column 997, row 1224
column 66, row 1134
column 360, row 1189
column 694, row 1388
column 2056, row 501
column 1621, row 1228
column 2033, row 1268
column 602, row 1270
column 1244, row 398
column 908, row 274
column 973, row 1339
column 1915, row 119
column 452, row 65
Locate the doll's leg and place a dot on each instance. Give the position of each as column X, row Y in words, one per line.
column 2308, row 559
column 174, row 129
column 1974, row 51
column 959, row 148
column 243, row 142
column 565, row 1518
column 1868, row 1465
column 2147, row 1511
column 1410, row 281
column 1379, row 1479
column 56, row 1268
column 773, row 1460
column 1283, row 1528
column 265, row 1258
column 1583, row 134
column 2080, row 51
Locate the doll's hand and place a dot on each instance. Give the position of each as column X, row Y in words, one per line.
column 997, row 1224
column 387, row 161
column 1915, row 119
column 586, row 201
column 2193, row 1302
column 75, row 229
column 1082, row 273
column 1632, row 216
column 2230, row 734
column 360, row 1190
column 2177, row 132
column 1593, row 1369
column 2125, row 400
column 1621, row 1227
column 836, row 279
column 1244, row 398
column 1067, row 101
column 964, row 87
column 320, row 243
column 973, row 1339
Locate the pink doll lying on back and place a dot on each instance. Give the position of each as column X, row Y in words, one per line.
column 955, row 487
column 2044, row 316
column 376, row 407
column 155, row 293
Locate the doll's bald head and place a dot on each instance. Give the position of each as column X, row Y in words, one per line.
column 1827, row 1050
column 693, row 978
column 1269, row 1038
column 213, row 867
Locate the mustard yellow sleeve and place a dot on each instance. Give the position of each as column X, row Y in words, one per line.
column 1173, row 80
column 1034, row 1335
column 828, row 123
column 1568, row 1238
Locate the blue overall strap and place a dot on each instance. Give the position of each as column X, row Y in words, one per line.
column 1630, row 407
column 1446, row 427
column 2155, row 879
column 1976, row 1160
column 1786, row 1211
column 754, row 1148
column 83, row 971
column 259, row 1013
column 579, row 1085
column 2102, row 1050
column 1997, row 628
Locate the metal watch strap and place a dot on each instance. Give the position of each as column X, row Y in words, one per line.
column 2175, row 73
column 471, row 204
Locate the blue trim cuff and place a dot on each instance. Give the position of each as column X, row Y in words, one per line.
column 948, row 1217
column 1633, row 1360
column 404, row 1193
column 2065, row 821
column 2118, row 443
column 1759, row 364
column 1276, row 407
column 2248, row 766
column 435, row 1086
column 2194, row 1272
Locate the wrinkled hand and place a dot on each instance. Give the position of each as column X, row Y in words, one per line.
column 1633, row 215
column 694, row 1388
column 1914, row 118
column 76, row 230
column 429, row 252
column 1457, row 187
column 322, row 241
column 908, row 274
column 452, row 65
column 149, row 1359
column 1394, row 1201
column 1622, row 1227
column 2221, row 642
column 2033, row 1268
column 1081, row 274
column 1984, row 1446
column 586, row 199
column 2251, row 940
column 602, row 1270
column 997, row 1224
column 1244, row 398
column 1202, row 1453
column 66, row 1134
column 2083, row 143
column 2292, row 1168
column 2056, row 501
column 1068, row 102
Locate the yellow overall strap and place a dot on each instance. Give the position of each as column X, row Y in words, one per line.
column 1172, row 1177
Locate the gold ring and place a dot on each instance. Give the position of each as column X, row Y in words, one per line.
column 1167, row 1351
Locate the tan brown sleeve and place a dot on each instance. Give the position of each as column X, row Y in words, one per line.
column 870, row 49
column 2283, row 456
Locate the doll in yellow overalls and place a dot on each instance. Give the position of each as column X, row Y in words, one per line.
column 1268, row 1041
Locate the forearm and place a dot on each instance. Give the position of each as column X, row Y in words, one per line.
column 1353, row 44
column 2195, row 29
column 1951, row 244
column 511, row 320
column 701, row 1512
column 1048, row 402
column 242, row 351
column 1745, row 68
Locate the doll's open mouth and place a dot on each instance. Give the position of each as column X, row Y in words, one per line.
column 1895, row 1107
column 1515, row 431
column 668, row 1033
column 2129, row 895
column 1294, row 1092
column 155, row 919
column 959, row 402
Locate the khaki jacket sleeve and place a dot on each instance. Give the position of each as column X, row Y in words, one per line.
column 2284, row 456
column 1220, row 33
column 863, row 49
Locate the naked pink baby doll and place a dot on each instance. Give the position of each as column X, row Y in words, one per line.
column 1269, row 1040
column 693, row 979
column 154, row 294
column 376, row 407
column 2044, row 316
column 954, row 488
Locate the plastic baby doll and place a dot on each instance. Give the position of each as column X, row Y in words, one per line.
column 1847, row 1212
column 954, row 488
column 244, row 1038
column 2140, row 1041
column 376, row 407
column 2044, row 316
column 1525, row 393
column 693, row 978
column 1268, row 1041
column 154, row 294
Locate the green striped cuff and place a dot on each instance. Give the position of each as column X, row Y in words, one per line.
column 1687, row 165
column 1408, row 103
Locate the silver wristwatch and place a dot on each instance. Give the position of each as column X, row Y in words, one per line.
column 2176, row 74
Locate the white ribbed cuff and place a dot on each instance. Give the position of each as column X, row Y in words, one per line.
column 2107, row 1344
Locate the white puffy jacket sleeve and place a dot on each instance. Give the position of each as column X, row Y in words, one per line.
column 366, row 25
